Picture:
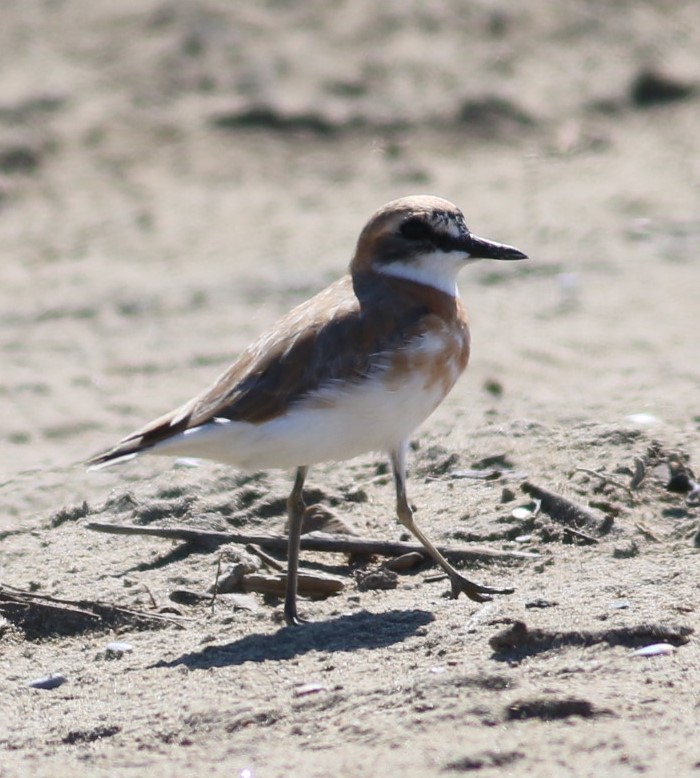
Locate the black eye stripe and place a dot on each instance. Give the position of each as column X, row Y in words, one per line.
column 417, row 229
column 420, row 230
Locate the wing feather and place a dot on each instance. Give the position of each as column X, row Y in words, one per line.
column 341, row 335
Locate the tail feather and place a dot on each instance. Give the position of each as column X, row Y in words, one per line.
column 109, row 458
column 142, row 440
column 127, row 448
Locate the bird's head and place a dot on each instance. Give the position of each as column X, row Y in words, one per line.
column 425, row 239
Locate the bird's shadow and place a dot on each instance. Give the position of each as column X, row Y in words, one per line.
column 346, row 633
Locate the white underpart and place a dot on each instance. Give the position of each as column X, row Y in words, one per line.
column 438, row 269
column 337, row 423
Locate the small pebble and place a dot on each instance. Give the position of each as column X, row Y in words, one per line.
column 51, row 681
column 620, row 605
column 541, row 603
column 656, row 649
column 405, row 562
column 507, row 495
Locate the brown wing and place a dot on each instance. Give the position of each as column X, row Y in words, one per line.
column 338, row 335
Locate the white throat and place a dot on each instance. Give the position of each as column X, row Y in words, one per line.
column 437, row 269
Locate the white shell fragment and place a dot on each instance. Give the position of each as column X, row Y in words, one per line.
column 117, row 648
column 655, row 649
column 51, row 681
column 309, row 688
column 521, row 513
column 643, row 419
column 620, row 605
column 187, row 462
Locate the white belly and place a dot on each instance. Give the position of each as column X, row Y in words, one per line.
column 335, row 424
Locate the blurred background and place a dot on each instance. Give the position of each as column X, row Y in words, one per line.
column 174, row 175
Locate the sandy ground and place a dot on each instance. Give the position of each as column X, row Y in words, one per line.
column 174, row 176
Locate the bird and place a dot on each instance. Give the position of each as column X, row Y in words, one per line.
column 352, row 370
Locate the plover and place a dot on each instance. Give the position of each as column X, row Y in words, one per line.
column 354, row 369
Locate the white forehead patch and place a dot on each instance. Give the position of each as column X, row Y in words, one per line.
column 456, row 228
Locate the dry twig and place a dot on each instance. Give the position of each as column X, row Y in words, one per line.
column 314, row 585
column 648, row 533
column 559, row 508
column 640, row 471
column 40, row 614
column 314, row 541
column 606, row 479
column 271, row 562
column 582, row 536
column 519, row 637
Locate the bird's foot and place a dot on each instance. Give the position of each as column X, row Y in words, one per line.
column 474, row 591
column 292, row 618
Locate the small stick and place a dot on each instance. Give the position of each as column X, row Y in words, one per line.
column 271, row 562
column 215, row 589
column 90, row 610
column 649, row 534
column 151, row 597
column 309, row 584
column 518, row 637
column 559, row 508
column 581, row 535
column 640, row 472
column 605, row 479
column 435, row 578
column 314, row 541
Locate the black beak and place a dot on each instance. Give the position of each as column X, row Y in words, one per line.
column 480, row 248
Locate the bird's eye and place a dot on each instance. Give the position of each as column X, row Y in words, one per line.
column 416, row 229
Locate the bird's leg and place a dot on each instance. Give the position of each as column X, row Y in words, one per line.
column 474, row 591
column 295, row 512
